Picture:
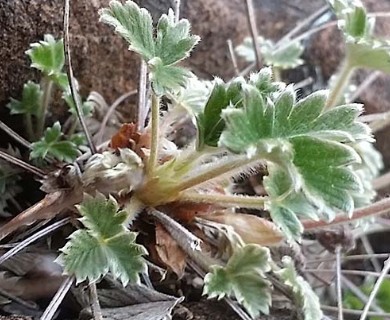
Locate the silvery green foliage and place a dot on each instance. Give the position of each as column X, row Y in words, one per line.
column 161, row 47
column 363, row 48
column 106, row 245
column 284, row 56
column 53, row 144
column 309, row 151
column 244, row 278
column 303, row 293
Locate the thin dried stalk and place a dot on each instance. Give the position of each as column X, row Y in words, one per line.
column 47, row 208
column 57, row 299
column 254, row 33
column 33, row 238
column 73, row 89
column 375, row 290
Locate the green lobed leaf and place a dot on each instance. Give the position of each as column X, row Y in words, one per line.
column 31, row 100
column 51, row 144
column 86, row 107
column 371, row 54
column 101, row 216
column 47, row 55
column 173, row 41
column 167, row 78
column 353, row 19
column 105, row 246
column 309, row 145
column 285, row 56
column 303, row 292
column 209, row 122
column 243, row 277
column 134, row 24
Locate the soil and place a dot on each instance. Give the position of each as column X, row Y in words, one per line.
column 102, row 62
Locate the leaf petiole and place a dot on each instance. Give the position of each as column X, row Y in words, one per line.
column 47, row 92
column 152, row 162
column 215, row 170
column 228, row 200
column 340, row 83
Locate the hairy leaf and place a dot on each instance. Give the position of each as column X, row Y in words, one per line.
column 106, row 246
column 52, row 144
column 303, row 292
column 285, row 56
column 171, row 43
column 31, row 100
column 309, row 145
column 243, row 277
column 86, row 107
column 209, row 122
column 167, row 78
column 134, row 24
column 371, row 54
column 353, row 19
column 47, row 55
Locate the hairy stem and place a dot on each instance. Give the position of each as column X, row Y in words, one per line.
column 228, row 200
column 152, row 162
column 29, row 127
column 47, row 92
column 213, row 171
column 339, row 84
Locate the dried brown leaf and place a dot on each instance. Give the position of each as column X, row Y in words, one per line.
column 169, row 251
column 251, row 228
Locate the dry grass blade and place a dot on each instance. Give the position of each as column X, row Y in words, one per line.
column 33, row 238
column 94, row 302
column 254, row 33
column 338, row 283
column 355, row 312
column 233, row 57
column 377, row 208
column 47, row 208
column 351, row 257
column 71, row 78
column 359, row 293
column 23, row 165
column 117, row 102
column 375, row 290
column 14, row 135
column 20, row 301
column 315, row 15
column 142, row 95
column 57, row 299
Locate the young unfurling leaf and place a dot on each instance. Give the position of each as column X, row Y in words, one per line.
column 243, row 277
column 304, row 294
column 106, row 245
